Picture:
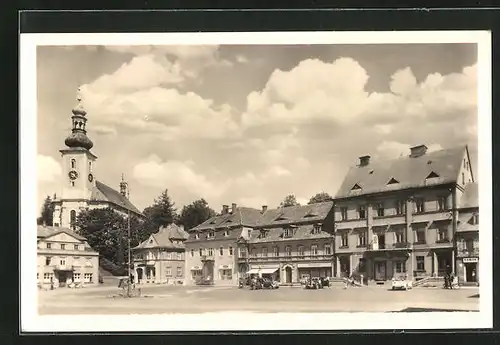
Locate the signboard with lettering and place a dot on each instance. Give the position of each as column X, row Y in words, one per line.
column 470, row 260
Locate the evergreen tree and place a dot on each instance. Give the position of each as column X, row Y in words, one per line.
column 46, row 216
column 290, row 200
column 195, row 213
column 161, row 213
column 320, row 197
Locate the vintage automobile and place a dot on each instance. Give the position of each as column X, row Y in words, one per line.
column 270, row 284
column 314, row 283
column 401, row 283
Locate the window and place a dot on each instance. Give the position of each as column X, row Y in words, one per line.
column 262, row 234
column 288, row 251
column 179, row 271
column 230, row 250
column 463, row 178
column 420, row 235
column 243, row 252
column 47, row 261
column 48, row 277
column 362, row 239
column 343, row 213
column 345, row 239
column 264, row 251
column 362, row 212
column 475, row 219
column 328, row 249
column 192, row 252
column 73, row 164
column 62, row 262
column 87, row 277
column 288, row 232
column 210, row 252
column 49, row 245
column 276, row 251
column 77, row 247
column 399, row 237
column 226, row 274
column 72, row 183
column 90, row 166
column 400, row 267
column 202, row 251
column 400, row 207
column 314, row 249
column 210, row 235
column 72, row 219
column 226, row 233
column 421, row 263
column 442, row 235
column 168, row 271
column 442, row 203
column 380, row 210
column 316, row 229
column 300, row 250
column 179, row 256
column 419, row 205
column 76, row 277
column 197, row 236
column 221, row 251
column 63, row 246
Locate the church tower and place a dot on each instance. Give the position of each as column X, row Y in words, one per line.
column 77, row 167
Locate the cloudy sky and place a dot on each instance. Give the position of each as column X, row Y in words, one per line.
column 250, row 124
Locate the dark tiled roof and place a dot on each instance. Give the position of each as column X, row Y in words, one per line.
column 103, row 192
column 46, row 231
column 410, row 172
column 470, row 198
column 165, row 238
column 295, row 214
column 302, row 232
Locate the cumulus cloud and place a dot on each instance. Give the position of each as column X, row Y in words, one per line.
column 48, row 169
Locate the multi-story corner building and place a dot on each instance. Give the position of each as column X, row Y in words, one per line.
column 211, row 256
column 291, row 243
column 399, row 216
column 161, row 258
column 467, row 236
column 64, row 257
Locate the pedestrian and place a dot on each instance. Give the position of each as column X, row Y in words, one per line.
column 446, row 280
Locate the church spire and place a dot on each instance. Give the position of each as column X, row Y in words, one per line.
column 124, row 187
column 78, row 137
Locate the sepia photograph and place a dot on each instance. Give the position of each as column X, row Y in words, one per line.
column 332, row 178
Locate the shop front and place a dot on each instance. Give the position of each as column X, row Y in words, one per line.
column 225, row 273
column 315, row 270
column 468, row 270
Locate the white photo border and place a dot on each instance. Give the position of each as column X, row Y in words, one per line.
column 231, row 321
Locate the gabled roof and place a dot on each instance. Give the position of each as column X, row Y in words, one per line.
column 470, row 197
column 295, row 214
column 103, row 192
column 410, row 172
column 49, row 231
column 165, row 238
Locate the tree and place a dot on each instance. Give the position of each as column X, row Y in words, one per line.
column 106, row 232
column 290, row 200
column 161, row 213
column 320, row 197
column 195, row 213
column 46, row 216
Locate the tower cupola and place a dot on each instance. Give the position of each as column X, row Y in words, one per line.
column 78, row 137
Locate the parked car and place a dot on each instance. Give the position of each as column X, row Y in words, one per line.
column 314, row 283
column 270, row 284
column 401, row 283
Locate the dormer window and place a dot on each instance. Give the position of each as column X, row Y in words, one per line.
column 197, row 236
column 226, row 233
column 432, row 175
column 211, row 234
column 392, row 181
column 316, row 229
column 475, row 219
column 288, row 232
column 263, row 234
column 356, row 187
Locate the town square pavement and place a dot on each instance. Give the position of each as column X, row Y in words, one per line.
column 157, row 299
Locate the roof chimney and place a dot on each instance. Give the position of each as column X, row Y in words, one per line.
column 264, row 208
column 417, row 151
column 225, row 209
column 233, row 208
column 364, row 160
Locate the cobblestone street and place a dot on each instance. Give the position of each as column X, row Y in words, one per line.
column 171, row 299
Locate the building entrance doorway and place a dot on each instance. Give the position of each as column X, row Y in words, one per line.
column 470, row 272
column 380, row 270
column 288, row 275
column 139, row 275
column 62, row 277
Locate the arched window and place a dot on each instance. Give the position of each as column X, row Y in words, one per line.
column 72, row 219
column 73, row 164
column 90, row 166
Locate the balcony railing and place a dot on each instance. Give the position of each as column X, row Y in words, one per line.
column 391, row 246
column 291, row 257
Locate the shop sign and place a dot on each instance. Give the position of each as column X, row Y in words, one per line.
column 470, row 260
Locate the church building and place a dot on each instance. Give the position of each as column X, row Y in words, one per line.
column 80, row 189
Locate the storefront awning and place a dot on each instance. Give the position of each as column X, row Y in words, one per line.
column 253, row 271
